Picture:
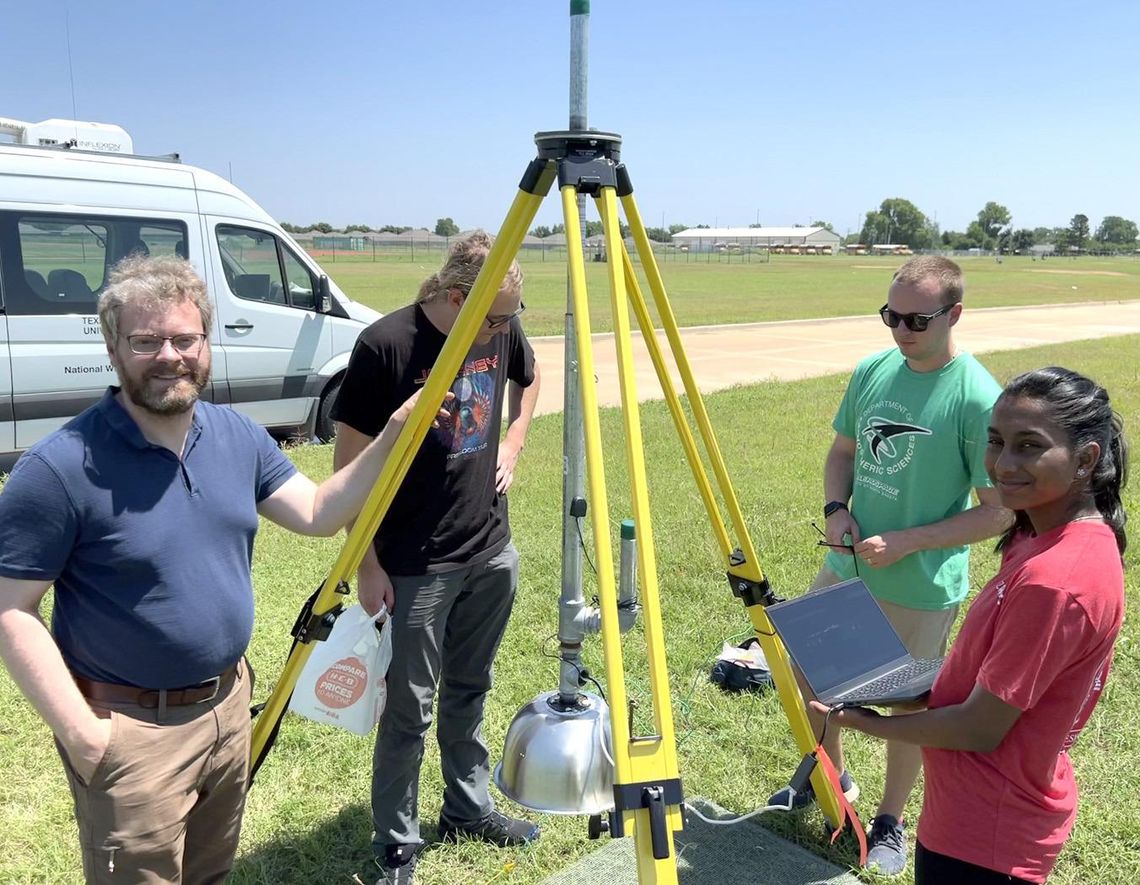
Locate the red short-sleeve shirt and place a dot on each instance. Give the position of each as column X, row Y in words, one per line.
column 1040, row 637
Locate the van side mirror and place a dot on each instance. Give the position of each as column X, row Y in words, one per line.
column 324, row 295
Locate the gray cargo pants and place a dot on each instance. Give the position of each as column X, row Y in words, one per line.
column 445, row 632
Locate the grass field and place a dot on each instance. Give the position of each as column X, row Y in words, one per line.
column 308, row 818
column 716, row 289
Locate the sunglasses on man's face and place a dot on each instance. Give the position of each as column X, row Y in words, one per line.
column 493, row 322
column 916, row 322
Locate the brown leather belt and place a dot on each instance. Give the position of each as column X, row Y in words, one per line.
column 156, row 698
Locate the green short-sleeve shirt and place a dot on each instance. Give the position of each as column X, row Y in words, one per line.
column 920, row 449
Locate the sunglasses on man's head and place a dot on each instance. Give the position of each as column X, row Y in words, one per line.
column 916, row 322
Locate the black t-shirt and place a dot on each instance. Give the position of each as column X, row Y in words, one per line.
column 446, row 514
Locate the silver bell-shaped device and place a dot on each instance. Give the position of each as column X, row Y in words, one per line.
column 557, row 757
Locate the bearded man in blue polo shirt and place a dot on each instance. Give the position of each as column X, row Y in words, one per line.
column 142, row 512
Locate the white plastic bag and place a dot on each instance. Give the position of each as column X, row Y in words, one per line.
column 344, row 681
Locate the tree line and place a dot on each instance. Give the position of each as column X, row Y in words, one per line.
column 896, row 220
column 899, row 221
column 445, row 227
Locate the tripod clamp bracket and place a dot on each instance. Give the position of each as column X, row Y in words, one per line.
column 748, row 590
column 653, row 796
column 310, row 627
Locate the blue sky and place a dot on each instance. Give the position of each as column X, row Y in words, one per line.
column 731, row 112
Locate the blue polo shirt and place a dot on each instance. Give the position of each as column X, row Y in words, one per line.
column 150, row 554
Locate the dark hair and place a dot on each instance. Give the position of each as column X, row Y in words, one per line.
column 1081, row 407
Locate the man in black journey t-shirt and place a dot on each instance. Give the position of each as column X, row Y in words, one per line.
column 442, row 562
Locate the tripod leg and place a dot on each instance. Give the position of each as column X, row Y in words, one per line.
column 749, row 569
column 655, row 758
column 596, row 483
column 673, row 401
column 647, row 789
column 534, row 186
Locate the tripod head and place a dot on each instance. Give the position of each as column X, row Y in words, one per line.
column 559, row 143
column 588, row 160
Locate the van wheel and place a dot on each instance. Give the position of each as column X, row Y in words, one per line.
column 326, row 427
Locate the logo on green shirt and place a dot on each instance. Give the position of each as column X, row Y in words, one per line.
column 880, row 431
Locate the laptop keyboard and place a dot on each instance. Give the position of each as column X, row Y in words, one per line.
column 887, row 685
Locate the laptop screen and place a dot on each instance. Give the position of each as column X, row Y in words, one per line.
column 836, row 634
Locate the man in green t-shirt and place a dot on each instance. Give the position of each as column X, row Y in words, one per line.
column 910, row 438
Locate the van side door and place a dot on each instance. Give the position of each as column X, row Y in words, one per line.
column 274, row 340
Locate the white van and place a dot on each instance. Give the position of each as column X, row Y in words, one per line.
column 283, row 331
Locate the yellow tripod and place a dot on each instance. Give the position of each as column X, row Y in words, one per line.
column 648, row 795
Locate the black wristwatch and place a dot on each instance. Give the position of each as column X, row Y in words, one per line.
column 832, row 506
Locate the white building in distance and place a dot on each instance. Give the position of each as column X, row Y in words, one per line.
column 729, row 239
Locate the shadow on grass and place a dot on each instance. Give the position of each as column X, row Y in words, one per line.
column 748, row 853
column 335, row 851
column 811, row 831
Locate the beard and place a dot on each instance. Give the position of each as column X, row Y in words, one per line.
column 171, row 399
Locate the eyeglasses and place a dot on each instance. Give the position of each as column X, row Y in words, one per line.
column 149, row 345
column 495, row 322
column 916, row 322
column 849, row 547
column 826, row 543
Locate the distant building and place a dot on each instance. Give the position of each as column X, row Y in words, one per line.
column 795, row 240
column 341, row 241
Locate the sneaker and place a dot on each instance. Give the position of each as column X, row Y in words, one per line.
column 398, row 866
column 886, row 846
column 496, row 828
column 806, row 797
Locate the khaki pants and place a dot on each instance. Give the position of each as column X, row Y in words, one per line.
column 165, row 802
column 924, row 633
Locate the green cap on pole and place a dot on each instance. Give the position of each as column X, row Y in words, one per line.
column 627, row 532
column 579, row 7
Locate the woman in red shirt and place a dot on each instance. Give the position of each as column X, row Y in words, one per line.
column 1034, row 651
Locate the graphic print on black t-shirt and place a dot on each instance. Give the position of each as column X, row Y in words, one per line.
column 466, row 429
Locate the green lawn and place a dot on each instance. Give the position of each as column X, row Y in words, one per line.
column 711, row 289
column 308, row 818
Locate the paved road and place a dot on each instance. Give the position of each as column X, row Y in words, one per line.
column 722, row 356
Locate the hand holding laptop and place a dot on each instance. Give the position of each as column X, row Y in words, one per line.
column 896, row 707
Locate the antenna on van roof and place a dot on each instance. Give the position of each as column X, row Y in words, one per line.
column 70, row 68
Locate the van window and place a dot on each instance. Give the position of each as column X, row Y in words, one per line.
column 301, row 285
column 259, row 267
column 59, row 264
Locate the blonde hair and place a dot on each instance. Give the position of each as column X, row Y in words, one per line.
column 139, row 280
column 464, row 261
column 951, row 283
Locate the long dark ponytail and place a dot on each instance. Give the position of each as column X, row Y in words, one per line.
column 1081, row 406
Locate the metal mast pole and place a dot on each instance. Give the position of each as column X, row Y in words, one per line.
column 571, row 604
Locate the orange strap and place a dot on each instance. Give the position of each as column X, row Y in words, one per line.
column 848, row 810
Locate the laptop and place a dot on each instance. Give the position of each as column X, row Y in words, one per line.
column 847, row 650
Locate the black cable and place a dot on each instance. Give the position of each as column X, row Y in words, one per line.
column 583, row 673
column 827, row 719
column 582, row 543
